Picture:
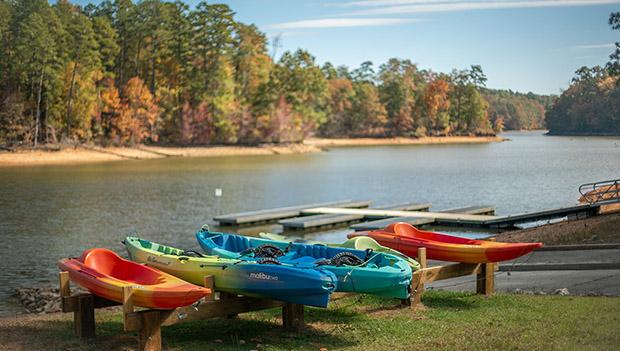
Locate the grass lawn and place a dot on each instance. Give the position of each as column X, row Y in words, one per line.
column 451, row 321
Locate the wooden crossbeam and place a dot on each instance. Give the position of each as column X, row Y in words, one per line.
column 449, row 271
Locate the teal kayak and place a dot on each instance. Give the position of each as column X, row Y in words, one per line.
column 359, row 243
column 360, row 271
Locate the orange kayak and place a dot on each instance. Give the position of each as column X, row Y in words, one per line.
column 407, row 239
column 104, row 273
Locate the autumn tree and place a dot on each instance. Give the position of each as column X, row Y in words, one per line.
column 397, row 87
column 136, row 121
column 613, row 66
column 437, row 104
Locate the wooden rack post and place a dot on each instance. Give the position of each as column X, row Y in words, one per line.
column 293, row 316
column 417, row 281
column 484, row 272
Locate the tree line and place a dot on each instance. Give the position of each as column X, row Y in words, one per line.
column 161, row 72
column 591, row 104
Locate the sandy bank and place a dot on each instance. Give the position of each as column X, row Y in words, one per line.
column 83, row 154
column 325, row 142
column 90, row 154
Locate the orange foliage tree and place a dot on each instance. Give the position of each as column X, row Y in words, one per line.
column 437, row 104
column 138, row 115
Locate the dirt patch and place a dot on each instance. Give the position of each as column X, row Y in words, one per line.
column 604, row 229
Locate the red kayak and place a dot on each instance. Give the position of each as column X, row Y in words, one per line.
column 104, row 273
column 407, row 239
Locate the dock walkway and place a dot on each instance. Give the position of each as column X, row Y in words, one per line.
column 340, row 212
column 321, row 220
column 274, row 214
column 382, row 223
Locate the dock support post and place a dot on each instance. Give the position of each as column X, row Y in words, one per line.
column 485, row 279
column 293, row 316
column 417, row 279
column 149, row 338
column 84, row 317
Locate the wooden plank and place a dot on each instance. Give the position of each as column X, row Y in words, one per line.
column 212, row 309
column 209, row 282
column 314, row 221
column 485, row 279
column 64, row 289
column 280, row 212
column 128, row 323
column 317, row 221
column 392, row 213
column 380, row 224
column 84, row 317
column 581, row 211
column 449, row 271
column 417, row 281
column 70, row 303
column 149, row 337
column 293, row 316
column 477, row 210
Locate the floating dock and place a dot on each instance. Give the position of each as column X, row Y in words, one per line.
column 312, row 216
column 322, row 220
column 382, row 223
column 274, row 214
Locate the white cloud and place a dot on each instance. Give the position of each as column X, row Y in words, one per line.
column 342, row 22
column 594, row 46
column 428, row 6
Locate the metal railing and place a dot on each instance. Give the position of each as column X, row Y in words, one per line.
column 608, row 191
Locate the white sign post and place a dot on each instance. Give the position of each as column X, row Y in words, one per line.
column 218, row 195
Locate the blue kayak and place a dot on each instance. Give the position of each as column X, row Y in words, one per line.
column 357, row 271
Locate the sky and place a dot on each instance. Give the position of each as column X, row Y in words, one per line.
column 523, row 45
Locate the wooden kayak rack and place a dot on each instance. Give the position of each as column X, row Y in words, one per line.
column 148, row 322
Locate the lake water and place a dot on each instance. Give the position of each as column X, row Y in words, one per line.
column 51, row 212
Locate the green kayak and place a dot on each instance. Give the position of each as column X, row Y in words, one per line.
column 359, row 243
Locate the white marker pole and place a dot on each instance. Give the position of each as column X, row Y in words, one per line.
column 218, row 195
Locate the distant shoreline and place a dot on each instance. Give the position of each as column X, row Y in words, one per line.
column 94, row 154
column 343, row 142
column 549, row 133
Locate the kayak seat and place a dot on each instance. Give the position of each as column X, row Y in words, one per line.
column 109, row 263
column 322, row 251
column 233, row 243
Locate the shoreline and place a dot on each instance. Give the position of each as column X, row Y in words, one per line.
column 346, row 142
column 85, row 154
column 90, row 155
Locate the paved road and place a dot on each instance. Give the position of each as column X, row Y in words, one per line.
column 598, row 282
column 581, row 282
